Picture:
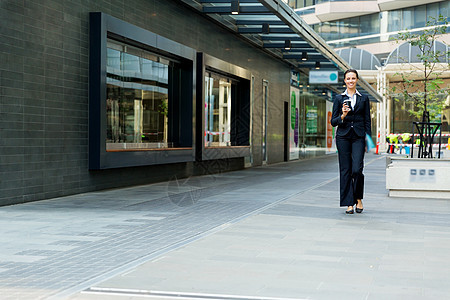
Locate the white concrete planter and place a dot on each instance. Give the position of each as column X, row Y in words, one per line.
column 418, row 177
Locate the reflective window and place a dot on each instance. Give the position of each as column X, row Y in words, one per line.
column 217, row 110
column 433, row 10
column 420, row 16
column 323, row 1
column 312, row 122
column 408, row 18
column 328, row 30
column 350, row 27
column 394, row 20
column 401, row 118
column 306, row 11
column 137, row 99
column 300, row 3
column 265, row 102
column 370, row 24
column 292, row 3
column 444, row 9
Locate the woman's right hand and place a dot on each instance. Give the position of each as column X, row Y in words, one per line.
column 345, row 110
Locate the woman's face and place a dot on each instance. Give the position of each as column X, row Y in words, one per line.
column 350, row 80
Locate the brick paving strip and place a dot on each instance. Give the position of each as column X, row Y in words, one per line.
column 57, row 247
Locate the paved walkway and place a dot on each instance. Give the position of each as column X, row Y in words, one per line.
column 261, row 233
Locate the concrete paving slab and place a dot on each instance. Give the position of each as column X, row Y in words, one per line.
column 269, row 232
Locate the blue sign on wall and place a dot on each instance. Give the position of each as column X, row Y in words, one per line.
column 323, row 76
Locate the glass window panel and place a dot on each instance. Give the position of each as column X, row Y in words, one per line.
column 408, row 18
column 317, row 28
column 137, row 100
column 349, row 27
column 314, row 119
column 433, row 11
column 330, row 30
column 147, row 69
column 113, row 60
column 441, row 50
column 366, row 61
column 130, row 63
column 294, row 3
column 388, row 21
column 113, row 132
column 217, row 111
column 370, row 24
column 415, row 51
column 444, row 9
column 335, row 29
column 404, row 53
column 420, row 16
column 395, row 20
column 401, row 117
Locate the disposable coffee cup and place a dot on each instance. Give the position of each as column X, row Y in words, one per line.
column 349, row 103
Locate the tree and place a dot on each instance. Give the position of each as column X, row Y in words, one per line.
column 421, row 82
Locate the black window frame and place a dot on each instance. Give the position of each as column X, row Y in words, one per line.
column 181, row 112
column 240, row 109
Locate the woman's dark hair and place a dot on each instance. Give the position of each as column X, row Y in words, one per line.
column 351, row 71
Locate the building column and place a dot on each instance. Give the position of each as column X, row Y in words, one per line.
column 382, row 111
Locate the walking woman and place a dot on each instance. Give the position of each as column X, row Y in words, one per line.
column 351, row 114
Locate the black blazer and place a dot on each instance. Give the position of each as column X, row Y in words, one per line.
column 358, row 118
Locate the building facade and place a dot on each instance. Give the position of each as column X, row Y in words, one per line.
column 364, row 33
column 107, row 94
column 370, row 25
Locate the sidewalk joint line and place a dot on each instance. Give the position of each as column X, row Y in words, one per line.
column 176, row 295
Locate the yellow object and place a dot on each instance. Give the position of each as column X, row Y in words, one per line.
column 406, row 137
column 393, row 138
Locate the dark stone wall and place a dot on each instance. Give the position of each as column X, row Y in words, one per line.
column 44, row 69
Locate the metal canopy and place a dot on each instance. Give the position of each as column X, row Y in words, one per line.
column 275, row 28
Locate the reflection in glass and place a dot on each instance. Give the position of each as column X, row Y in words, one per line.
column 408, row 18
column 380, row 23
column 217, row 111
column 370, row 24
column 401, row 118
column 137, row 99
column 315, row 109
column 420, row 16
column 264, row 119
column 433, row 10
column 312, row 121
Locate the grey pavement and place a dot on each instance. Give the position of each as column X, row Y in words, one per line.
column 272, row 232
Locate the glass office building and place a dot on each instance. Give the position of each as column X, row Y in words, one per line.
column 379, row 27
column 371, row 26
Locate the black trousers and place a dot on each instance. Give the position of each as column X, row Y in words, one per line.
column 351, row 149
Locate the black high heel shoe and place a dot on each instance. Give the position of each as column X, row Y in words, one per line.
column 359, row 210
column 349, row 211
